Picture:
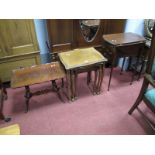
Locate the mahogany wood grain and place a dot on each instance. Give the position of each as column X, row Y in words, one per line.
column 123, row 45
column 36, row 74
column 119, row 39
column 65, row 34
column 25, row 77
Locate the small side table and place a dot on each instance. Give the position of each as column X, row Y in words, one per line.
column 123, row 45
column 83, row 60
column 25, row 77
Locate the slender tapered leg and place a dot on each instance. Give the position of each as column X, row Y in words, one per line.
column 68, row 77
column 88, row 77
column 73, row 89
column 98, row 80
column 110, row 78
column 101, row 78
column 129, row 63
column 75, row 84
column 95, row 81
column 112, row 66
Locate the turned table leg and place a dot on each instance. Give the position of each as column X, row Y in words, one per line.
column 56, row 89
column 74, row 84
column 28, row 95
column 88, row 77
column 99, row 79
column 76, row 81
column 68, row 77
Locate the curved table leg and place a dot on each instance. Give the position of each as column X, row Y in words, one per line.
column 98, row 80
column 112, row 66
column 101, row 77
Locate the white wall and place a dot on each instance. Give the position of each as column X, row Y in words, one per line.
column 135, row 26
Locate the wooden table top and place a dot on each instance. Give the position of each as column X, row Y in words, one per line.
column 81, row 57
column 123, row 38
column 36, row 74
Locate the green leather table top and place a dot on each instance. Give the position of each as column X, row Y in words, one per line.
column 81, row 57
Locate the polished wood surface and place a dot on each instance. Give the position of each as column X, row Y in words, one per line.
column 36, row 74
column 115, row 26
column 65, row 34
column 88, row 60
column 123, row 38
column 25, row 77
column 123, row 45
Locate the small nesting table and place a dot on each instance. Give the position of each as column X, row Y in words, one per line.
column 25, row 77
column 83, row 60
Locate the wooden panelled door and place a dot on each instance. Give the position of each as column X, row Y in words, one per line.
column 17, row 37
column 18, row 45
